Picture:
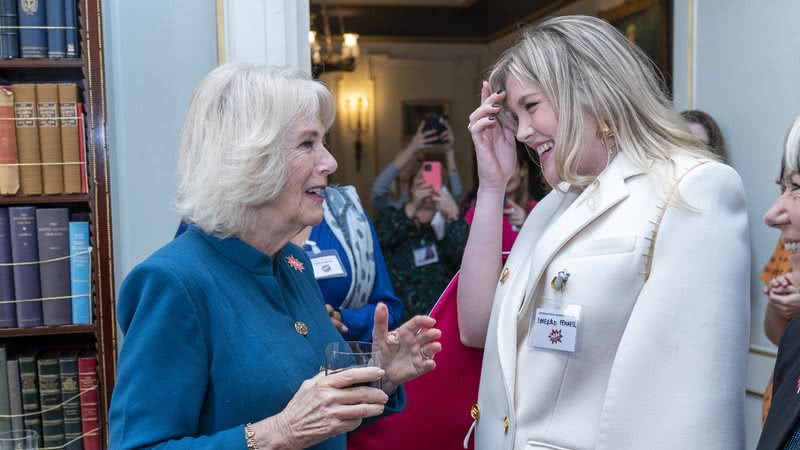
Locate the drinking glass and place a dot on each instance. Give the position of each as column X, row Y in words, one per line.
column 345, row 355
column 19, row 440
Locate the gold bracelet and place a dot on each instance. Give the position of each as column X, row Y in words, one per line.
column 250, row 437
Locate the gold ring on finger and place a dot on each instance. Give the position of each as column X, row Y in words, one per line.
column 394, row 338
column 422, row 352
column 469, row 126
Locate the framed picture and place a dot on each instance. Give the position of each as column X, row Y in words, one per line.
column 647, row 23
column 414, row 111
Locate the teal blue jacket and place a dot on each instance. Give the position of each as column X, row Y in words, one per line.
column 210, row 343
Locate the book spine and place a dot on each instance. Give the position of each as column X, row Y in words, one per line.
column 24, row 248
column 80, row 271
column 15, row 396
column 8, row 311
column 50, row 400
column 82, row 148
column 70, row 147
column 5, row 405
column 90, row 418
column 56, row 34
column 71, row 21
column 9, row 175
column 9, row 37
column 30, row 394
column 50, row 138
column 72, row 406
column 32, row 41
column 27, row 137
column 52, row 225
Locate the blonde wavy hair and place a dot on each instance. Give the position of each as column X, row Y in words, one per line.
column 232, row 155
column 583, row 64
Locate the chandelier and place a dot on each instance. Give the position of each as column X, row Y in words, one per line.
column 331, row 53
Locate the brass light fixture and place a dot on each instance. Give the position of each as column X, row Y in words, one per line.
column 330, row 52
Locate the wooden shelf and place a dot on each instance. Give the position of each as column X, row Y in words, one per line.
column 43, row 199
column 43, row 63
column 47, row 331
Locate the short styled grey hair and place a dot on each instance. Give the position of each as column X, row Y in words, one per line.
column 791, row 152
column 583, row 64
column 232, row 155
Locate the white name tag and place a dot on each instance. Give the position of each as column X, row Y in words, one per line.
column 555, row 328
column 425, row 255
column 327, row 264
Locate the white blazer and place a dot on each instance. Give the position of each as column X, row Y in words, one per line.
column 661, row 363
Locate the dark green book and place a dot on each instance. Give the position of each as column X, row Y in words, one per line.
column 15, row 395
column 5, row 405
column 68, row 363
column 30, row 393
column 50, row 400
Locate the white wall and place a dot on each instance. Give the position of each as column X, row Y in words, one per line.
column 155, row 53
column 745, row 74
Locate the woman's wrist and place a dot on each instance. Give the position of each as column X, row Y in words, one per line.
column 274, row 433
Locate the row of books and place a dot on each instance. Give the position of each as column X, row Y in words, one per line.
column 39, row 29
column 52, row 393
column 44, row 267
column 42, row 139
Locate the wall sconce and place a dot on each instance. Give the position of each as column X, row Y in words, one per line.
column 357, row 122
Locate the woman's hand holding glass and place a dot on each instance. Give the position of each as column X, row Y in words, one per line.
column 325, row 406
column 407, row 351
column 495, row 145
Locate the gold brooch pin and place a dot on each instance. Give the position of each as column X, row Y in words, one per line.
column 301, row 328
column 559, row 282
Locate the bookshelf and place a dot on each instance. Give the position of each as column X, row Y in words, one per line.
column 88, row 72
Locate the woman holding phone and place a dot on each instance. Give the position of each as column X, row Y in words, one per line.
column 421, row 263
column 620, row 319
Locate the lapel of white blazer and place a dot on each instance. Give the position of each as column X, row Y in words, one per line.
column 590, row 205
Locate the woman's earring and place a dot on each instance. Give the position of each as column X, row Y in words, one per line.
column 608, row 137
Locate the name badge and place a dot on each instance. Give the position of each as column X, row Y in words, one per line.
column 426, row 255
column 326, row 264
column 555, row 328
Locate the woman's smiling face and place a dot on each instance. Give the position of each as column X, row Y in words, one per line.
column 784, row 214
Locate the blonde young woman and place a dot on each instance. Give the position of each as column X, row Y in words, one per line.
column 620, row 319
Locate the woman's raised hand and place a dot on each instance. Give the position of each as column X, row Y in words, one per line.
column 324, row 406
column 495, row 146
column 408, row 351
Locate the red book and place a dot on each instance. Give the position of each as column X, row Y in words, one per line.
column 82, row 147
column 90, row 417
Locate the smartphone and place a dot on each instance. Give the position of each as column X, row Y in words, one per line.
column 437, row 123
column 432, row 174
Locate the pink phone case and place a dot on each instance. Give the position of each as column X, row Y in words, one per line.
column 432, row 174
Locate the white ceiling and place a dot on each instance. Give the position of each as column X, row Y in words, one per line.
column 437, row 3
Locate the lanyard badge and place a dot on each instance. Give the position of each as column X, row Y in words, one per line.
column 555, row 324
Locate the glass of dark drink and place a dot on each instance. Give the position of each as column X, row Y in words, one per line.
column 345, row 355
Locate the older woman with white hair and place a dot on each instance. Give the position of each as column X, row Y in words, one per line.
column 225, row 327
column 621, row 317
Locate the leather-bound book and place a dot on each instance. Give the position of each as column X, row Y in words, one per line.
column 8, row 311
column 52, row 225
column 50, row 138
column 90, row 417
column 9, row 175
column 50, row 400
column 9, row 36
column 25, row 249
column 15, row 396
column 71, row 21
column 56, row 34
column 33, row 37
column 27, row 138
column 70, row 146
column 30, row 393
column 68, row 363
